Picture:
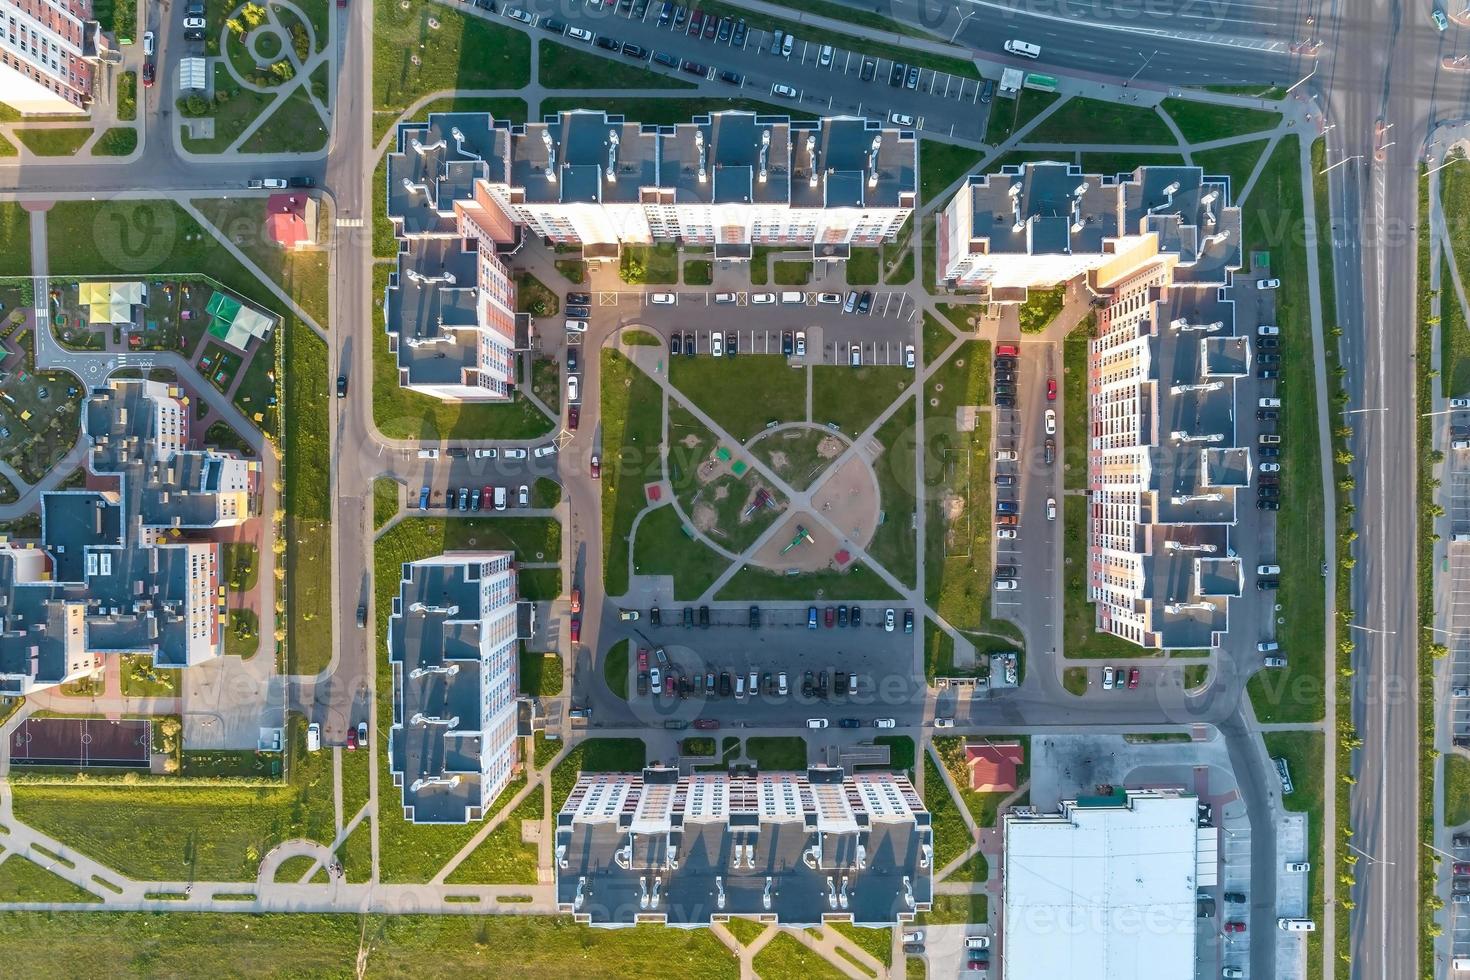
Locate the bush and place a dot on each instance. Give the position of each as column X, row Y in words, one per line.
column 254, row 14
column 283, row 70
column 193, row 106
column 300, row 42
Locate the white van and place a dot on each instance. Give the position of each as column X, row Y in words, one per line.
column 739, row 685
column 793, row 297
column 1022, row 48
column 500, row 498
column 313, row 737
column 1296, row 925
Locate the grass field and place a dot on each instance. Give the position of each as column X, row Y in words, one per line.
column 1201, row 122
column 854, row 397
column 118, row 141
column 632, row 430
column 1082, row 120
column 1273, row 220
column 462, row 52
column 720, row 387
column 941, row 164
column 1454, row 193
column 785, row 958
column 1456, row 789
column 303, row 274
column 15, row 240
column 306, row 451
column 595, row 755
column 294, row 126
column 858, row 582
column 1236, row 162
column 951, row 836
column 1007, row 116
column 22, row 880
column 662, row 548
column 894, row 543
column 567, row 67
column 1303, row 754
column 230, row 118
column 1074, row 410
column 652, row 264
column 615, row 669
column 778, row 754
column 54, row 142
column 503, row 858
column 862, row 267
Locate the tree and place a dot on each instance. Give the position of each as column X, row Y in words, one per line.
column 254, row 15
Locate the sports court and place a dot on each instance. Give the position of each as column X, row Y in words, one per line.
column 85, row 742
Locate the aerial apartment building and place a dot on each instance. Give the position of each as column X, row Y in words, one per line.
column 463, row 188
column 452, row 647
column 792, row 847
column 48, row 50
column 129, row 569
column 1157, row 249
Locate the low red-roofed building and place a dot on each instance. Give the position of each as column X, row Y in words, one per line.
column 291, row 220
column 993, row 766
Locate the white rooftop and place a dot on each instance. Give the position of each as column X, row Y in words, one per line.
column 1103, row 892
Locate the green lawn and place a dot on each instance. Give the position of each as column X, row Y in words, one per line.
column 116, row 142
column 858, row 582
column 951, row 836
column 699, row 272
column 939, row 653
column 1041, row 307
column 652, row 264
column 632, row 430
column 1454, row 192
column 54, row 142
column 183, row 944
column 15, row 240
column 615, row 669
column 386, row 491
column 1074, row 680
column 294, row 126
column 745, row 931
column 777, row 754
column 949, row 910
column 862, row 267
column 25, row 881
column 1236, row 162
column 568, row 67
column 1303, row 754
column 794, row 454
column 894, row 544
column 1082, row 120
column 854, row 397
column 1009, row 115
column 545, row 493
column 503, row 858
column 463, row 52
column 306, row 452
column 303, row 274
column 1117, row 163
column 720, row 388
column 1074, row 409
column 533, row 539
column 1456, row 789
column 941, row 164
column 1080, row 638
column 232, row 117
column 540, row 673
column 595, row 755
column 1274, row 218
column 792, row 273
column 1201, row 122
column 173, row 833
column 403, row 414
column 785, row 958
column 663, row 548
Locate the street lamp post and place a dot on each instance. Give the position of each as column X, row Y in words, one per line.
column 1355, row 156
column 960, row 26
column 1141, row 67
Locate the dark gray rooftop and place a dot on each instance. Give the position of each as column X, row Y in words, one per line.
column 1192, row 217
column 1035, row 209
column 440, row 158
column 431, row 310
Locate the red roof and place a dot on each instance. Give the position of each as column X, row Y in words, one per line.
column 286, row 222
column 993, row 766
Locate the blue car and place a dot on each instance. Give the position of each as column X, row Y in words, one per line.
column 811, row 618
column 424, row 499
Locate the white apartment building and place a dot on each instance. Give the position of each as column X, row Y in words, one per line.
column 48, row 49
column 1158, row 247
column 452, row 647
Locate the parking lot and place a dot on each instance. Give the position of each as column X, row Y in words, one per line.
column 1457, row 622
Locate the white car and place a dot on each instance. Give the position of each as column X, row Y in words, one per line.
column 1268, row 403
column 516, row 453
column 1006, row 456
column 428, row 454
column 1006, row 585
column 977, row 942
column 541, row 452
column 628, row 615
column 516, row 13
column 1268, row 569
column 781, row 687
column 901, row 119
column 908, row 356
column 1267, row 330
column 1051, row 508
column 194, row 23
column 726, row 298
column 656, row 681
column 1268, row 283
column 801, row 343
column 943, row 722
column 785, row 91
column 485, row 454
column 1108, row 675
column 1051, row 422
column 1270, row 467
column 523, row 496
column 762, row 299
column 831, row 299
column 579, row 34
column 1460, row 403
column 884, row 723
column 148, row 43
column 824, row 57
column 816, row 723
column 576, row 326
column 888, row 620
column 917, row 936
column 717, row 344
column 573, row 394
column 661, row 299
column 1005, row 533
column 1301, row 866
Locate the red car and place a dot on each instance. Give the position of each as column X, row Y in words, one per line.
column 706, row 724
column 1461, row 868
column 1132, row 677
column 642, row 659
column 148, row 71
column 671, row 685
column 1051, row 389
column 352, row 738
column 576, row 629
column 830, row 617
column 487, row 498
column 576, row 602
column 1235, row 927
column 596, row 466
column 574, row 415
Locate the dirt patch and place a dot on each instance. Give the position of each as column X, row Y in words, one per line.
column 779, row 462
column 704, row 517
column 690, row 441
column 811, row 555
column 721, row 492
column 848, row 497
column 954, row 508
column 830, row 448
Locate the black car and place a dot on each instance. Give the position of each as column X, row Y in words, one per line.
column 676, row 343
column 1236, row 897
column 608, row 43
column 666, row 59
column 578, row 312
column 655, row 618
column 571, row 360
column 704, row 617
column 1269, row 358
column 640, row 9
column 787, row 345
column 1268, row 343
column 732, row 78
column 1267, row 415
column 842, row 616
column 688, row 616
column 643, row 682
column 1005, row 401
column 908, row 620
column 685, row 686
column 725, row 27
column 1004, row 378
column 822, row 684
column 895, row 75
column 738, row 38
column 694, row 68
column 1267, row 584
column 807, row 687
column 458, row 452
column 1264, row 504
column 865, row 301
column 1006, row 571
column 732, row 344
column 579, row 299
column 1268, row 493
column 857, row 616
column 849, row 723
column 755, row 617
column 987, row 89
column 839, row 682
column 1049, row 451
column 635, row 51
column 553, row 25
column 869, row 69
column 1460, row 840
column 1005, row 389
column 624, row 6
column 689, row 345
column 341, row 386
column 665, row 12
column 486, row 5
column 912, row 80
column 724, row 683
column 301, row 182
column 193, row 34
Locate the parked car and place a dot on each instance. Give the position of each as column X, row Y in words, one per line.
column 785, row 91
column 1133, row 678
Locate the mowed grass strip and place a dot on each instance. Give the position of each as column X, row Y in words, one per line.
column 722, row 388
column 632, row 432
